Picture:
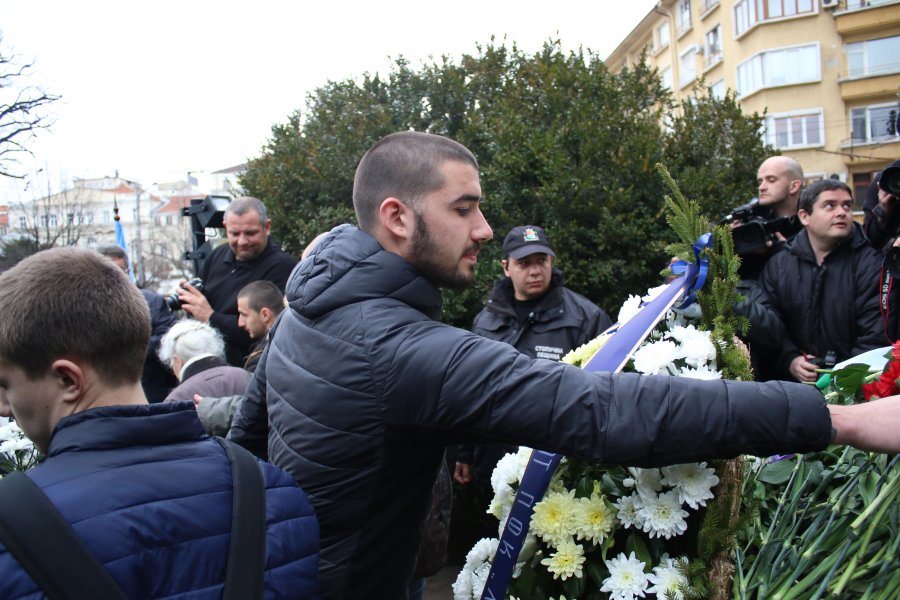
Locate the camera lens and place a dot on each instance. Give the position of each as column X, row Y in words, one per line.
column 890, row 180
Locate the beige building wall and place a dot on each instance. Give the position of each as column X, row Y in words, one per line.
column 809, row 91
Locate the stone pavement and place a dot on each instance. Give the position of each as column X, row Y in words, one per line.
column 439, row 586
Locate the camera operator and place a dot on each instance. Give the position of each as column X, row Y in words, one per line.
column 764, row 225
column 825, row 286
column 248, row 256
column 881, row 222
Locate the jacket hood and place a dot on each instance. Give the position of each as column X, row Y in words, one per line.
column 349, row 266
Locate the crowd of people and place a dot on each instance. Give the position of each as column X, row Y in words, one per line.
column 336, row 373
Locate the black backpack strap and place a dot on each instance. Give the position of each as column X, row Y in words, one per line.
column 247, row 550
column 47, row 547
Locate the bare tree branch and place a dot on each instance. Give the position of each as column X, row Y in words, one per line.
column 21, row 112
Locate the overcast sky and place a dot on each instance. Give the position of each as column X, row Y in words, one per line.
column 154, row 90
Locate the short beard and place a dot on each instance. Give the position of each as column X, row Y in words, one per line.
column 421, row 253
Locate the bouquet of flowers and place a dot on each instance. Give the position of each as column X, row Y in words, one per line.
column 611, row 532
column 608, row 531
column 17, row 453
column 826, row 524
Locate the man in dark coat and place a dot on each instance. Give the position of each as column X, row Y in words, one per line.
column 146, row 490
column 825, row 286
column 365, row 387
column 532, row 311
column 248, row 256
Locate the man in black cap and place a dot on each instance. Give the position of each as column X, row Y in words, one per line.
column 531, row 310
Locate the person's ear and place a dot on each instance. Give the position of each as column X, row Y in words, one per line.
column 794, row 186
column 803, row 216
column 267, row 316
column 268, row 226
column 505, row 264
column 397, row 219
column 70, row 378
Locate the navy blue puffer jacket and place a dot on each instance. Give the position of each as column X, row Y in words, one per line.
column 151, row 495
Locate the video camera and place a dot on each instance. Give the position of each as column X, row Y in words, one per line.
column 890, row 180
column 206, row 212
column 756, row 231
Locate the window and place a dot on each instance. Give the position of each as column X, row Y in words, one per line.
column 784, row 66
column 662, row 35
column 104, row 217
column 666, row 76
column 748, row 13
column 683, row 16
column 874, row 123
column 687, row 66
column 713, row 46
column 54, row 220
column 44, row 220
column 89, row 217
column 23, row 222
column 793, row 130
column 717, row 90
column 708, row 5
column 70, row 218
column 874, row 57
column 168, row 219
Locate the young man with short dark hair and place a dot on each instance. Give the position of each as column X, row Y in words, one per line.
column 145, row 489
column 365, row 387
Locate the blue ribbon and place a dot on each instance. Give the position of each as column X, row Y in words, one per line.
column 611, row 357
column 679, row 267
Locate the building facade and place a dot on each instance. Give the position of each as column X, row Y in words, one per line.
column 826, row 73
column 84, row 215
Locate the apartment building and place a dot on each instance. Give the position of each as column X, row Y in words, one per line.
column 826, row 72
column 84, row 215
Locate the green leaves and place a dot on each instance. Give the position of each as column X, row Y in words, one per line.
column 562, row 143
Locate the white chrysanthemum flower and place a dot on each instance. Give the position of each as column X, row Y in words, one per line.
column 630, row 307
column 663, row 516
column 596, row 519
column 653, row 292
column 554, row 518
column 508, row 471
column 656, row 358
column 15, row 445
column 628, row 511
column 479, row 579
column 668, row 581
column 703, row 372
column 695, row 345
column 462, row 587
column 627, row 579
column 647, row 482
column 483, row 551
column 692, row 482
column 566, row 561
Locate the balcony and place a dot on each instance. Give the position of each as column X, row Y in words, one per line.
column 867, row 16
column 870, row 88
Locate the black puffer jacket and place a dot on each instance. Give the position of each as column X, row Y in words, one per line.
column 365, row 389
column 832, row 307
column 561, row 321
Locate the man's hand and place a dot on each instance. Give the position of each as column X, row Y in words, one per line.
column 197, row 400
column 194, row 302
column 873, row 426
column 462, row 473
column 802, row 369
